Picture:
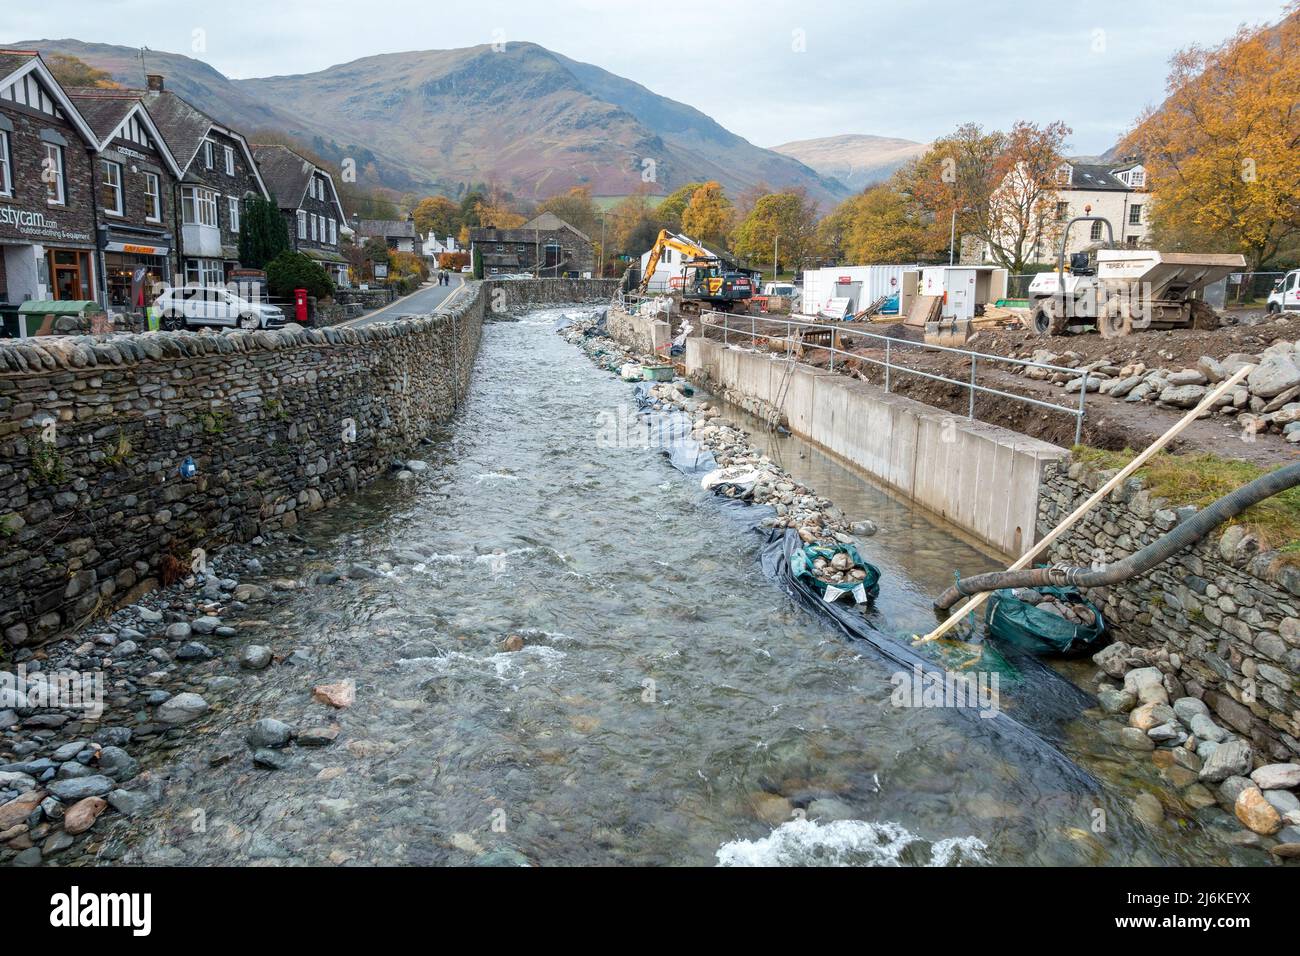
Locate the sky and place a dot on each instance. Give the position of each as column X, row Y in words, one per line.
column 769, row 71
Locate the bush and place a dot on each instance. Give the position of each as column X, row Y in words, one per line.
column 293, row 270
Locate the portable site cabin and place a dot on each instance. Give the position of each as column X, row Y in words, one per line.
column 961, row 288
column 840, row 290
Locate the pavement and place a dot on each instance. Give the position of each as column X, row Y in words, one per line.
column 423, row 300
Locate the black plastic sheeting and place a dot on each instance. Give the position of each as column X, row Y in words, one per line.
column 1041, row 696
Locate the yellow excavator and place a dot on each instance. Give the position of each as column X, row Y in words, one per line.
column 708, row 284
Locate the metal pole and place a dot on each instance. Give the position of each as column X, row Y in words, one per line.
column 971, row 412
column 887, row 366
column 1078, row 421
column 776, row 242
column 952, row 235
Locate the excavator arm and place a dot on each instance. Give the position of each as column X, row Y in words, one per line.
column 666, row 240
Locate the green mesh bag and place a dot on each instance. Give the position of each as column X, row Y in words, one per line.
column 863, row 592
column 1026, row 626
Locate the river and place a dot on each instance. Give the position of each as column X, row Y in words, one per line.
column 669, row 704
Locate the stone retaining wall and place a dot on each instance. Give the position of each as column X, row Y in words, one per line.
column 509, row 296
column 94, row 431
column 1227, row 611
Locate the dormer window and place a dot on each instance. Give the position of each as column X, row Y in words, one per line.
column 1064, row 175
column 1137, row 178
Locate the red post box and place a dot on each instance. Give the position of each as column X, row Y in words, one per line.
column 300, row 305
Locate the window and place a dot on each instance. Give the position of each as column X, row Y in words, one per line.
column 230, row 160
column 152, row 198
column 6, row 168
column 313, row 228
column 311, row 187
column 1096, row 231
column 334, row 232
column 110, row 187
column 302, row 224
column 1137, row 178
column 52, row 173
column 207, row 154
column 1135, row 215
column 204, row 272
column 232, row 204
column 1062, row 211
column 198, row 206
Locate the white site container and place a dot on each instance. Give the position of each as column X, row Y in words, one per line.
column 861, row 285
column 962, row 287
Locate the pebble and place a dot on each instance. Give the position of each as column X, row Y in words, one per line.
column 269, row 732
column 81, row 816
column 181, row 709
column 255, row 657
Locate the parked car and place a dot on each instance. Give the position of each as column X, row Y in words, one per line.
column 466, row 269
column 213, row 305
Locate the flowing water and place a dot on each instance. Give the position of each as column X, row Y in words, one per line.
column 669, row 705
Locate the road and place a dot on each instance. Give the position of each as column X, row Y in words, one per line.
column 423, row 300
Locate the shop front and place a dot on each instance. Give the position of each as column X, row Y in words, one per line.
column 136, row 270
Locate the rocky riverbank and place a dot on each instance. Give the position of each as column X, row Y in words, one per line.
column 1204, row 763
column 743, row 471
column 81, row 718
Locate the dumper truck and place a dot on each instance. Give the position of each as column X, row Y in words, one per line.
column 1119, row 290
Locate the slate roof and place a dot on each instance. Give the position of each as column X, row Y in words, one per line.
column 183, row 125
column 400, row 228
column 1095, row 176
column 103, row 109
column 285, row 172
column 11, row 61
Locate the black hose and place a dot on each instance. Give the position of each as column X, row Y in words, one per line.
column 1186, row 534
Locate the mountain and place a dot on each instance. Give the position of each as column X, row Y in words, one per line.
column 526, row 118
column 856, row 160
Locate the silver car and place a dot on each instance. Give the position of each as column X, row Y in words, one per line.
column 190, row 306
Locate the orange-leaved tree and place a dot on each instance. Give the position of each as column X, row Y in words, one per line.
column 1223, row 151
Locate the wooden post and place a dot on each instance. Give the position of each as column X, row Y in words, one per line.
column 1025, row 559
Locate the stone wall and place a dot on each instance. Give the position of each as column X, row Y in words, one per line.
column 1226, row 611
column 88, row 517
column 510, row 296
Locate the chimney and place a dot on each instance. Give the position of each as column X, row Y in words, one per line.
column 155, row 82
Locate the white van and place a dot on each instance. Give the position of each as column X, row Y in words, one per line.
column 1285, row 296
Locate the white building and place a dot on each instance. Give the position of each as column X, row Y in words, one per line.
column 435, row 246
column 1087, row 187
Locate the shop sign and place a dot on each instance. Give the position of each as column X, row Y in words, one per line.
column 136, row 249
column 37, row 225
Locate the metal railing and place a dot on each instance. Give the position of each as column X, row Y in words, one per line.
column 724, row 320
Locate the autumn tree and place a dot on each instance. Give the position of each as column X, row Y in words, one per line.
column 73, row 71
column 883, row 225
column 999, row 187
column 1222, row 152
column 782, row 224
column 670, row 210
column 437, row 215
column 708, row 216
column 576, row 207
column 632, row 225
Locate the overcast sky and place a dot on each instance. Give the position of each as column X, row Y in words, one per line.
column 770, row 71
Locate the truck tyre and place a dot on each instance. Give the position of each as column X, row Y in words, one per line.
column 1204, row 316
column 1114, row 320
column 1274, row 308
column 1048, row 318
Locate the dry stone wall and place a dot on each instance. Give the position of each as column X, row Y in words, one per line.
column 1225, row 614
column 96, row 432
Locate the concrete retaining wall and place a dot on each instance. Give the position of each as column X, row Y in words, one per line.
column 982, row 478
column 510, row 296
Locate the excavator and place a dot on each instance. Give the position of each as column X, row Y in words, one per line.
column 708, row 284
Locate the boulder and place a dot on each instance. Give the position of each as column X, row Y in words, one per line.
column 1277, row 776
column 81, row 816
column 1230, row 759
column 1273, row 376
column 1257, row 813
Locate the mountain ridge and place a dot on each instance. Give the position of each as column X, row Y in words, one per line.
column 532, row 120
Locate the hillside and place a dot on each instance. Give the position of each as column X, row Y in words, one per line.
column 531, row 120
column 856, row 160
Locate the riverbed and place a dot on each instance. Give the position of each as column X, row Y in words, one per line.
column 565, row 653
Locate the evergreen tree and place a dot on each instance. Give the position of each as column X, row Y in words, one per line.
column 263, row 233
